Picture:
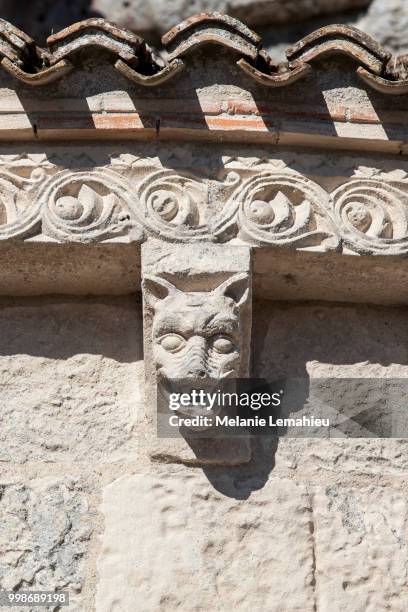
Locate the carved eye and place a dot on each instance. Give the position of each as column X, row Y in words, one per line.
column 172, row 342
column 222, row 344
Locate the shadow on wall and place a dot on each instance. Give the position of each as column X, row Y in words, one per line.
column 308, row 107
column 315, row 340
column 60, row 327
column 240, row 482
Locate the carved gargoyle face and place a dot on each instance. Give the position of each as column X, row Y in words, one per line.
column 196, row 334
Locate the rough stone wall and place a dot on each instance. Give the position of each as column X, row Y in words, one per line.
column 155, row 17
column 71, row 393
column 309, row 525
column 387, row 22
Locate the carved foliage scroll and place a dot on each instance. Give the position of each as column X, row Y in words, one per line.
column 280, row 208
column 178, row 207
column 284, row 209
column 274, row 207
column 86, row 206
column 19, row 216
column 69, row 206
column 372, row 216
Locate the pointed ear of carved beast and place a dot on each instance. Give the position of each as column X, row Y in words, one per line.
column 235, row 287
column 156, row 289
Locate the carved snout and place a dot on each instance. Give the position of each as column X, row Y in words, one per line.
column 195, row 359
column 177, row 357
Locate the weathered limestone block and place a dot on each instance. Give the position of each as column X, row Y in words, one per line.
column 197, row 325
column 361, row 549
column 71, row 379
column 174, row 541
column 342, row 547
column 330, row 340
column 45, row 529
column 343, row 459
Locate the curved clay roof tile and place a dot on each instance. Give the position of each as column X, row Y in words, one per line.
column 134, row 60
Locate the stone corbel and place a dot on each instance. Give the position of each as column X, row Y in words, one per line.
column 197, row 324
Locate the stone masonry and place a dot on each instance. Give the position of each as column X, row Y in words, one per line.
column 202, row 213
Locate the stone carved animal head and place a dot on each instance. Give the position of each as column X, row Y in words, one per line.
column 196, row 334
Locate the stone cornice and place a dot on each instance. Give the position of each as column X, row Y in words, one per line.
column 137, row 184
column 109, row 85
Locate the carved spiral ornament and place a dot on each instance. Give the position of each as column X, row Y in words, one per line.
column 173, row 205
column 18, row 217
column 372, row 216
column 264, row 205
column 177, row 207
column 85, row 206
column 284, row 209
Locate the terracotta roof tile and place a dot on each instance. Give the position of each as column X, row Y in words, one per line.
column 133, row 58
column 218, row 19
column 81, row 27
column 14, row 44
column 338, row 32
column 91, row 33
column 339, row 39
column 211, row 28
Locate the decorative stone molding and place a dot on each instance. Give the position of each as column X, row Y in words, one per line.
column 86, row 207
column 280, row 209
column 372, row 216
column 67, row 207
column 275, row 206
column 174, row 205
column 19, row 216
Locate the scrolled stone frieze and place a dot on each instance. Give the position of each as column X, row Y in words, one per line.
column 372, row 216
column 268, row 208
column 284, row 209
column 86, row 207
column 19, row 217
column 272, row 207
column 177, row 206
column 67, row 206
